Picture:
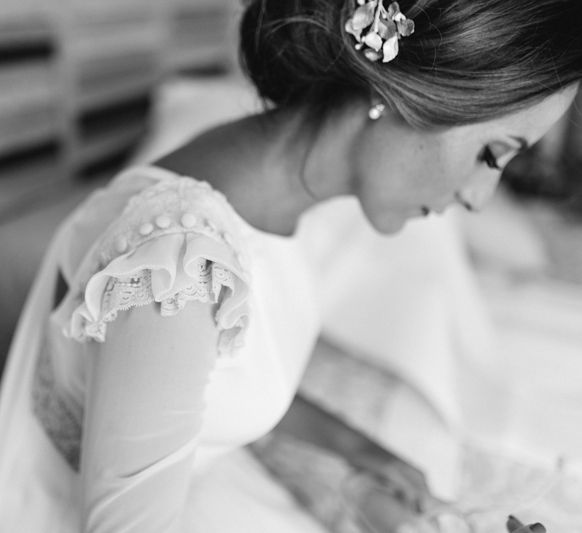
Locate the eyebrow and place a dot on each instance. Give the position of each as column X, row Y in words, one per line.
column 523, row 144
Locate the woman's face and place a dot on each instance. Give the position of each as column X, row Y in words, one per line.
column 417, row 172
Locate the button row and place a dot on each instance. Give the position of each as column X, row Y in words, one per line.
column 188, row 221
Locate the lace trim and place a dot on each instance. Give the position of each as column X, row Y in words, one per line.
column 62, row 423
column 122, row 294
column 166, row 208
column 173, row 206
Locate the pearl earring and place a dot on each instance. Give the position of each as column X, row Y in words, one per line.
column 376, row 111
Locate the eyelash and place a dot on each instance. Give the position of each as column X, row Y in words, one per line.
column 489, row 159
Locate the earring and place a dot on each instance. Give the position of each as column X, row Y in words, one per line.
column 376, row 111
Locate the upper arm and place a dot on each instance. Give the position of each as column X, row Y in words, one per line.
column 164, row 293
column 143, row 413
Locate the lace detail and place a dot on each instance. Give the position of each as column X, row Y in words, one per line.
column 173, row 205
column 122, row 294
column 207, row 288
column 170, row 246
column 60, row 418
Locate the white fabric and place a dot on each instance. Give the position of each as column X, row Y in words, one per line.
column 412, row 304
column 418, row 315
column 397, row 313
column 496, row 369
column 148, row 444
column 193, row 258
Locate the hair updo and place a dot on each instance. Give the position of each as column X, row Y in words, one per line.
column 468, row 60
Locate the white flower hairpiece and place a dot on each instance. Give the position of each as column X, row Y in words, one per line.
column 377, row 30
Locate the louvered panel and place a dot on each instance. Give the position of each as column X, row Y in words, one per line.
column 103, row 146
column 106, row 79
column 26, row 175
column 26, row 9
column 205, row 24
column 100, row 10
column 110, row 28
column 198, row 36
column 33, row 124
column 108, row 131
column 26, row 38
column 112, row 55
column 102, row 121
column 29, row 90
column 78, row 73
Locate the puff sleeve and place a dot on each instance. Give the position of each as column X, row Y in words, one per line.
column 174, row 243
column 165, row 296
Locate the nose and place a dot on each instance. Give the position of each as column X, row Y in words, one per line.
column 475, row 195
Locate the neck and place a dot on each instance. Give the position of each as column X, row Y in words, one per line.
column 271, row 167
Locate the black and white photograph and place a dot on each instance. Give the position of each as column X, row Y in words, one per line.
column 290, row 266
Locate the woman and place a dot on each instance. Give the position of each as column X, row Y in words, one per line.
column 173, row 317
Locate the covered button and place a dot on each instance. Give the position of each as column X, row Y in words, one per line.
column 163, row 222
column 121, row 244
column 146, row 229
column 188, row 220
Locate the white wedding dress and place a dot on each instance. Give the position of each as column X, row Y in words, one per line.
column 407, row 303
column 153, row 236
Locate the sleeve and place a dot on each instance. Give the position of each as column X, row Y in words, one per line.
column 144, row 409
column 163, row 299
column 166, row 255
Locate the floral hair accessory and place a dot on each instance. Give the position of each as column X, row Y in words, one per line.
column 377, row 30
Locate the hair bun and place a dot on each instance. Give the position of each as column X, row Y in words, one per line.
column 466, row 61
column 293, row 51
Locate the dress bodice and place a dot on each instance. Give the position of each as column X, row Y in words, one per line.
column 152, row 235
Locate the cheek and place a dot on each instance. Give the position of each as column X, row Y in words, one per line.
column 451, row 170
column 411, row 171
column 427, row 173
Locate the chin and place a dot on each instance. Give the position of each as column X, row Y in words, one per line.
column 389, row 225
column 385, row 220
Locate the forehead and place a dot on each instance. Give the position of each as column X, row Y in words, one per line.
column 534, row 121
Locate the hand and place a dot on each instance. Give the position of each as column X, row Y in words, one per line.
column 516, row 526
column 392, row 494
column 380, row 509
column 406, row 483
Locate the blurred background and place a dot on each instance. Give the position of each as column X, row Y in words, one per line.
column 88, row 86
column 77, row 87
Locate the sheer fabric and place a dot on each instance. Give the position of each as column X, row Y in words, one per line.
column 171, row 348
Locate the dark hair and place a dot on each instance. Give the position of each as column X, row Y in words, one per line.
column 468, row 60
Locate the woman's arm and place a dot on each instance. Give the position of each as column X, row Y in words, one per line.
column 309, row 422
column 143, row 413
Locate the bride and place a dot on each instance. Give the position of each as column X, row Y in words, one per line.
column 175, row 310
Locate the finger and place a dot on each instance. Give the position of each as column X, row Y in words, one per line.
column 393, row 470
column 395, row 482
column 382, row 512
column 532, row 528
column 513, row 523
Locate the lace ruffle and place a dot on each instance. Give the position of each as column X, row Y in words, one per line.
column 170, row 246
